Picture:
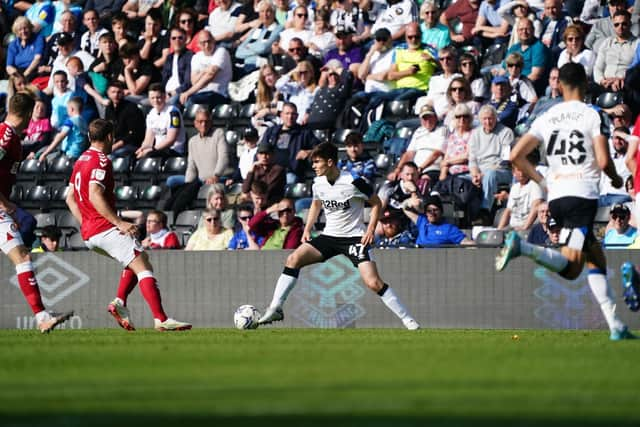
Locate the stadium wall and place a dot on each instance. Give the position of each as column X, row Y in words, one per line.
column 444, row 288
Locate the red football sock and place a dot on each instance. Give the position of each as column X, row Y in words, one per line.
column 29, row 286
column 128, row 281
column 151, row 294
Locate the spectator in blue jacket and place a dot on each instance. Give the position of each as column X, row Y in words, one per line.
column 358, row 162
column 433, row 230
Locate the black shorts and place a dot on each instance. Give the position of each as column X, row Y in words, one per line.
column 350, row 247
column 575, row 212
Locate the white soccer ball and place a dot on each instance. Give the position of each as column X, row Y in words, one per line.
column 246, row 317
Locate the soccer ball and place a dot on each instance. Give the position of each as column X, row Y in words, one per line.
column 246, row 317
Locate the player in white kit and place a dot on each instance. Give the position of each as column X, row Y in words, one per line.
column 576, row 143
column 343, row 198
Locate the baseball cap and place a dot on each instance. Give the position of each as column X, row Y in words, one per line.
column 250, row 133
column 433, row 200
column 265, row 148
column 344, row 30
column 620, row 208
column 382, row 34
column 64, row 39
column 500, row 80
column 391, row 214
column 426, row 110
column 551, row 222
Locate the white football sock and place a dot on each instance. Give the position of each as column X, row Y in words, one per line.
column 391, row 300
column 546, row 257
column 604, row 295
column 286, row 282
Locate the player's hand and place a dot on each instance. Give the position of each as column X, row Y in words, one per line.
column 617, row 182
column 306, row 236
column 127, row 228
column 367, row 238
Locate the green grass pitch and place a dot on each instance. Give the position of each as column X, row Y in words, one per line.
column 348, row 377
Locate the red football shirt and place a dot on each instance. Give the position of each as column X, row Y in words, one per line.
column 10, row 155
column 93, row 166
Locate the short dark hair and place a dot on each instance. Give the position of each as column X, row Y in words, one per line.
column 117, row 83
column 100, row 129
column 61, row 73
column 161, row 216
column 77, row 102
column 411, row 165
column 259, row 187
column 624, row 13
column 573, row 75
column 51, row 232
column 21, row 104
column 326, row 151
column 354, row 138
column 156, row 87
column 129, row 50
column 290, row 105
column 155, row 14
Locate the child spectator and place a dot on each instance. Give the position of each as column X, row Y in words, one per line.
column 72, row 133
column 84, row 89
column 158, row 235
column 61, row 96
column 49, row 240
column 39, row 131
column 243, row 238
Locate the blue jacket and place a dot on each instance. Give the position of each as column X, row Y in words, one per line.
column 442, row 233
column 300, row 139
column 184, row 70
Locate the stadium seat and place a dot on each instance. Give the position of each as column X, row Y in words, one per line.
column 322, row 134
column 398, row 110
column 67, row 222
column 126, row 197
column 44, row 219
column 148, row 197
column 297, row 190
column 383, row 163
column 121, row 169
column 30, row 171
column 609, row 99
column 201, row 199
column 232, row 137
column 224, row 114
column 59, row 169
column 16, row 194
column 243, row 118
column 185, row 224
column 146, row 171
column 174, row 166
column 404, row 132
column 190, row 113
column 340, row 135
column 58, row 196
column 75, row 242
column 37, row 197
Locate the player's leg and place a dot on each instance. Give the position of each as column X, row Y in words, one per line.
column 304, row 255
column 597, row 265
column 372, row 280
column 564, row 261
column 118, row 307
column 11, row 244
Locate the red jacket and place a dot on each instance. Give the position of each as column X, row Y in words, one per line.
column 264, row 226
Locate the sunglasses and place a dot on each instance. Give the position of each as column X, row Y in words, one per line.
column 412, row 36
column 382, row 39
column 284, row 211
column 295, row 49
column 177, row 38
column 213, row 219
column 301, row 15
column 514, row 65
column 457, row 89
column 573, row 39
column 186, row 21
column 621, row 216
column 245, row 218
column 462, row 117
column 620, row 24
column 446, row 58
column 464, row 64
column 429, row 12
column 433, row 211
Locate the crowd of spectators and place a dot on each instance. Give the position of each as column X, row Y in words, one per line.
column 473, row 75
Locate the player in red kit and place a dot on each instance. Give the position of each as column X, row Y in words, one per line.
column 11, row 244
column 92, row 202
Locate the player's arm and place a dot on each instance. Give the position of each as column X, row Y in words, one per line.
column 312, row 217
column 376, row 206
column 99, row 202
column 518, row 157
column 73, row 206
column 632, row 151
column 601, row 150
column 56, row 141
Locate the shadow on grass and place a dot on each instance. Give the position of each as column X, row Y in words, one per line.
column 93, row 420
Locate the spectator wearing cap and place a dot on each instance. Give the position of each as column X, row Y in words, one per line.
column 434, row 34
column 283, row 233
column 349, row 54
column 357, row 162
column 247, row 156
column 208, row 153
column 536, row 59
column 211, row 72
column 426, row 147
column 489, row 149
column 334, row 88
column 412, row 67
column 128, row 119
column 615, row 54
column 267, row 171
column 609, row 195
column 603, row 28
column 553, row 233
column 466, row 11
column 525, row 196
column 620, row 234
column 501, row 100
column 396, row 17
column 258, row 42
column 456, row 156
column 394, row 232
column 176, row 72
column 49, row 240
column 291, row 143
column 433, row 230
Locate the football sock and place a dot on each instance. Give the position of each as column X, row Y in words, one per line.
column 151, row 294
column 286, row 282
column 128, row 281
column 29, row 286
column 604, row 295
column 390, row 299
column 546, row 257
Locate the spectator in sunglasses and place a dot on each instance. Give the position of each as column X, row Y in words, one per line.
column 243, row 237
column 298, row 30
column 620, row 233
column 283, row 233
column 213, row 236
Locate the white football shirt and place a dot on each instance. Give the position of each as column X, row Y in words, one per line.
column 343, row 203
column 567, row 131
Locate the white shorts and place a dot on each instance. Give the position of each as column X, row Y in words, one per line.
column 112, row 243
column 10, row 237
column 636, row 208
